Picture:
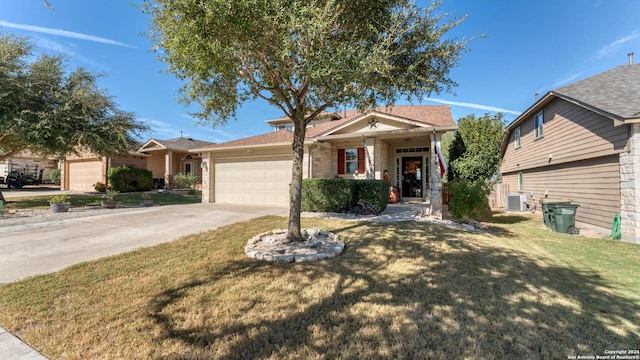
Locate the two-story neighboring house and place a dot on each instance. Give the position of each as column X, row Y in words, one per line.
column 350, row 144
column 582, row 142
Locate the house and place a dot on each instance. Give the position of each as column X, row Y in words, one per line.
column 29, row 163
column 167, row 158
column 81, row 171
column 582, row 142
column 400, row 139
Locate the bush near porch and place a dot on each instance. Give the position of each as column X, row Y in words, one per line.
column 337, row 194
column 126, row 179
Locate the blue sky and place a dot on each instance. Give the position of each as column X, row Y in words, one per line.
column 527, row 47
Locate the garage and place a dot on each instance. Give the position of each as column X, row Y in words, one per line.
column 82, row 175
column 253, row 181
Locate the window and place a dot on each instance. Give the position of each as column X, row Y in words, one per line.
column 520, row 176
column 538, row 122
column 351, row 161
column 517, row 136
column 285, row 127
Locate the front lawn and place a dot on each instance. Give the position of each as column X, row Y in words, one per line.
column 402, row 290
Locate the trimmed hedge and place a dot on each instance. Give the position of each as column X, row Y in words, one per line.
column 337, row 194
column 327, row 195
column 126, row 179
column 372, row 192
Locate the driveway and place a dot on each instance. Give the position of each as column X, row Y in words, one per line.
column 32, row 249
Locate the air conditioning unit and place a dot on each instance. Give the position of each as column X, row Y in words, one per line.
column 515, row 202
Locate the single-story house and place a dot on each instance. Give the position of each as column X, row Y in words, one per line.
column 167, row 158
column 29, row 163
column 350, row 144
column 581, row 142
column 80, row 172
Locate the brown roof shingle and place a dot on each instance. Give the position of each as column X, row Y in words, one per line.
column 435, row 115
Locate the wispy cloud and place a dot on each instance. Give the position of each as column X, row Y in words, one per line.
column 63, row 33
column 609, row 48
column 474, row 106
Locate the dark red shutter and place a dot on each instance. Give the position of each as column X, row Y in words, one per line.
column 340, row 161
column 361, row 160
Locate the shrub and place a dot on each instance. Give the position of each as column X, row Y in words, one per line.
column 469, row 198
column 54, row 176
column 100, row 187
column 126, row 179
column 327, row 195
column 372, row 192
column 337, row 194
column 60, row 199
column 185, row 181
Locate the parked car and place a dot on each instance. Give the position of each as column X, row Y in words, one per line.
column 16, row 180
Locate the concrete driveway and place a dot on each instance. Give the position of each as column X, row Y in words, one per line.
column 32, row 249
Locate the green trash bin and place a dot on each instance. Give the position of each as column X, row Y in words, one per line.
column 563, row 218
column 546, row 205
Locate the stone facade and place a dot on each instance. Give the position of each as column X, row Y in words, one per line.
column 630, row 187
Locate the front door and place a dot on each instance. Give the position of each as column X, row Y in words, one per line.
column 412, row 176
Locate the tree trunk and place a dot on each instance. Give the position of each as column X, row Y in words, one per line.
column 294, row 232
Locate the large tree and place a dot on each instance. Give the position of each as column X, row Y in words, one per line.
column 52, row 111
column 303, row 57
column 475, row 152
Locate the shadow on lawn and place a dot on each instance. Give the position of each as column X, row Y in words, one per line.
column 411, row 290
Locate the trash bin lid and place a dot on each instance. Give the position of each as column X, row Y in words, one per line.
column 547, row 201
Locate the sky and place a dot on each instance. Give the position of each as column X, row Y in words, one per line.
column 517, row 48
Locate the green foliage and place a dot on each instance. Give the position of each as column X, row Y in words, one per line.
column 126, row 179
column 185, row 181
column 337, row 194
column 302, row 57
column 110, row 195
column 100, row 187
column 475, row 154
column 52, row 111
column 60, row 199
column 55, row 175
column 327, row 195
column 469, row 198
column 372, row 192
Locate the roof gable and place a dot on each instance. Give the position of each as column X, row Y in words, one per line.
column 179, row 144
column 615, row 92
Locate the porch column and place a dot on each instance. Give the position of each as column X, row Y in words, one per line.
column 435, row 179
column 370, row 144
column 630, row 188
column 207, row 178
column 168, row 169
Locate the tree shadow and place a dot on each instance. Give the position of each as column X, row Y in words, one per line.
column 416, row 291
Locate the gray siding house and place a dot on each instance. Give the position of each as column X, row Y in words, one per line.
column 582, row 142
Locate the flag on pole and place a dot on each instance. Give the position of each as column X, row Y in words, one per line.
column 441, row 162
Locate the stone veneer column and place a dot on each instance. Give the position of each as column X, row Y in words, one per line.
column 435, row 180
column 207, row 180
column 630, row 187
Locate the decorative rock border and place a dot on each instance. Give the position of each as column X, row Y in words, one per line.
column 274, row 246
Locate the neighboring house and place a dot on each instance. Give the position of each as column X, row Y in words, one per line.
column 166, row 158
column 400, row 139
column 582, row 142
column 30, row 164
column 81, row 171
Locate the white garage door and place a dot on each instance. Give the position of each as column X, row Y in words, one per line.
column 83, row 174
column 250, row 181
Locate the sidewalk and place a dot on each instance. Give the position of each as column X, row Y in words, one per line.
column 12, row 348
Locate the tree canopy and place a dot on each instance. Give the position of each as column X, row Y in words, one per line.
column 302, row 57
column 475, row 152
column 51, row 111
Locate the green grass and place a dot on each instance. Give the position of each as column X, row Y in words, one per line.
column 405, row 290
column 86, row 200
